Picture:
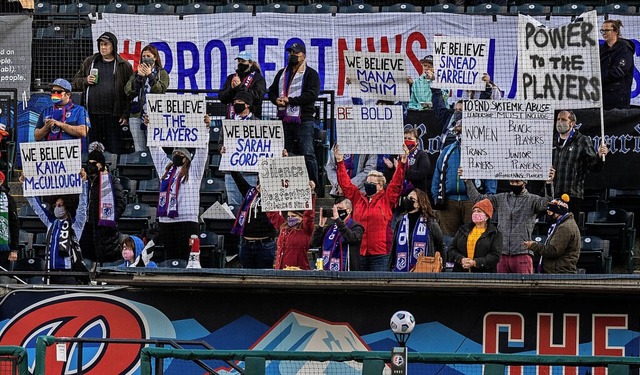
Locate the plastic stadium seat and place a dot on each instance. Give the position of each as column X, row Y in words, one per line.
column 137, row 166
column 402, row 7
column 211, row 191
column 530, row 9
column 570, row 9
column 617, row 226
column 234, row 8
column 212, row 253
column 148, row 191
column 318, row 8
column 173, row 263
column 359, row 8
column 29, row 221
column 444, row 8
column 76, row 9
column 51, row 32
column 45, row 9
column 157, row 8
column 128, row 188
column 594, row 255
column 135, row 219
column 487, row 8
column 117, row 8
column 195, row 8
column 275, row 8
column 616, row 9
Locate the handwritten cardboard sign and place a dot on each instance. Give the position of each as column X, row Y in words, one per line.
column 506, row 140
column 284, row 184
column 248, row 141
column 177, row 121
column 375, row 75
column 459, row 62
column 51, row 168
column 560, row 65
column 370, row 129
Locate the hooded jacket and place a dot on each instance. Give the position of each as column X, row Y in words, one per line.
column 139, row 261
column 616, row 66
column 124, row 71
column 106, row 240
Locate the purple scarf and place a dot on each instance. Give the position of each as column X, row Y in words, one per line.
column 334, row 256
column 244, row 212
column 168, row 198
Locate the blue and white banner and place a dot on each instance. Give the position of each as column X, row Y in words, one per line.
column 51, row 167
column 247, row 141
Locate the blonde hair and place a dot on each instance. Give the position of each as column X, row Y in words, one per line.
column 379, row 176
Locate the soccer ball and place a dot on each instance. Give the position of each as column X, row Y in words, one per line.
column 402, row 322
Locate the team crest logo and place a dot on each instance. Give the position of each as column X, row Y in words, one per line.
column 107, row 209
column 334, row 265
column 162, row 201
column 401, row 262
column 418, row 248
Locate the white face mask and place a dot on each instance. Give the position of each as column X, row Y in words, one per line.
column 60, row 212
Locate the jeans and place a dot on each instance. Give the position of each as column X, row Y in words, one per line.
column 139, row 136
column 234, row 197
column 379, row 263
column 298, row 140
column 106, row 130
column 257, row 254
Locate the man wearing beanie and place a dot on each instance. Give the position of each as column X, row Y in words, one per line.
column 561, row 250
column 102, row 78
column 476, row 247
column 517, row 212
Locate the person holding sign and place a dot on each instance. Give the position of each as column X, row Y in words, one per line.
column 373, row 210
column 616, row 66
column 295, row 235
column 294, row 91
column 339, row 241
column 9, row 226
column 179, row 199
column 417, row 233
column 247, row 79
column 64, row 120
column 573, row 156
column 420, row 99
column 149, row 78
column 477, row 246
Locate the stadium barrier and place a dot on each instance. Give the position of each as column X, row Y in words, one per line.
column 14, row 360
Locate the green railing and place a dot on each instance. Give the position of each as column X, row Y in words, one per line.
column 374, row 362
column 17, row 356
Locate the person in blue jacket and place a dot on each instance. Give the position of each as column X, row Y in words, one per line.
column 136, row 254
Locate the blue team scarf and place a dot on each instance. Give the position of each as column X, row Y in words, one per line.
column 107, row 209
column 244, row 212
column 60, row 237
column 334, row 253
column 59, row 114
column 406, row 257
column 168, row 197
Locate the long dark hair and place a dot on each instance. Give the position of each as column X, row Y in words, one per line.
column 154, row 52
column 424, row 206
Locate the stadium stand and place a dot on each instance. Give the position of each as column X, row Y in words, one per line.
column 487, row 8
column 403, row 7
column 317, row 8
column 530, row 9
column 195, row 8
column 444, row 8
column 29, row 221
column 212, row 253
column 148, row 191
column 570, row 9
column 617, row 226
column 234, row 8
column 124, row 8
column 137, row 165
column 359, row 8
column 275, row 8
column 157, row 8
column 594, row 255
column 135, row 219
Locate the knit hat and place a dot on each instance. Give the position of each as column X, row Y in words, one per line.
column 183, row 151
column 485, row 206
column 245, row 96
column 559, row 205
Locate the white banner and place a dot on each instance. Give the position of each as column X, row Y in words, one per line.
column 248, row 141
column 284, row 184
column 51, row 167
column 370, row 129
column 460, row 62
column 379, row 76
column 560, row 65
column 177, row 121
column 506, row 139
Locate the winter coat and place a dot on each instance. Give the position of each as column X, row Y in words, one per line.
column 307, row 99
column 351, row 239
column 257, row 89
column 616, row 67
column 293, row 242
column 136, row 84
column 418, row 172
column 436, row 240
column 487, row 253
column 561, row 251
column 106, row 240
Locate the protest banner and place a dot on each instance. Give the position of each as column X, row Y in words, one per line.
column 248, row 141
column 284, row 184
column 506, row 140
column 370, row 130
column 459, row 62
column 380, row 76
column 560, row 65
column 51, row 168
column 177, row 121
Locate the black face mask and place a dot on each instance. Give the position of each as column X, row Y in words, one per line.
column 242, row 67
column 342, row 214
column 370, row 189
column 239, row 107
column 92, row 168
column 177, row 160
column 517, row 189
column 408, row 204
column 293, row 60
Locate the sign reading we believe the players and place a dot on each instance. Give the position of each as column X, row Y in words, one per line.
column 177, row 121
column 51, row 168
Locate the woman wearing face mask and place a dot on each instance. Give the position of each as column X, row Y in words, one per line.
column 179, row 199
column 135, row 254
column 419, row 172
column 101, row 239
column 417, row 233
column 477, row 246
column 247, row 78
column 63, row 229
column 149, row 78
column 295, row 235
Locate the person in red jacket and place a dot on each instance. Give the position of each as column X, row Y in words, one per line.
column 295, row 235
column 372, row 209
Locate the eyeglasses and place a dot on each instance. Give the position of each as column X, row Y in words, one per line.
column 58, row 91
column 604, row 31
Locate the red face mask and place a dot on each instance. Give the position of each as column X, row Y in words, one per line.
column 410, row 144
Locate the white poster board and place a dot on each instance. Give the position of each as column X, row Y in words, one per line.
column 375, row 75
column 459, row 62
column 284, row 184
column 370, row 129
column 177, row 121
column 248, row 141
column 51, row 167
column 506, row 140
column 560, row 65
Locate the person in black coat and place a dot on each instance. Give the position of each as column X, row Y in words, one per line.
column 419, row 172
column 247, row 78
column 616, row 66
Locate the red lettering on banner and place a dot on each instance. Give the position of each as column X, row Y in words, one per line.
column 513, row 322
column 128, row 55
column 601, row 325
column 416, row 37
column 568, row 346
column 342, row 46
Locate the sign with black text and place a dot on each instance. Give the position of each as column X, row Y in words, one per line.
column 375, row 75
column 51, row 168
column 370, row 130
column 177, row 121
column 284, row 184
column 248, row 141
column 459, row 62
column 506, row 140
